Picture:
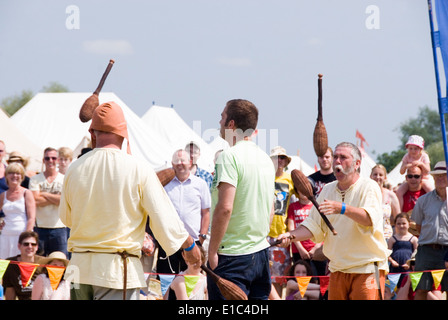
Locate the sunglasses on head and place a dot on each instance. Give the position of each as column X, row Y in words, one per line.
column 50, row 158
column 415, row 176
column 27, row 244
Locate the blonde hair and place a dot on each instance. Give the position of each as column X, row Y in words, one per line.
column 65, row 152
column 380, row 166
column 15, row 167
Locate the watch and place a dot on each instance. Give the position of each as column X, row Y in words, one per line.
column 203, row 236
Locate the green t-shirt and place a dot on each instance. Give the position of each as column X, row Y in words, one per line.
column 251, row 171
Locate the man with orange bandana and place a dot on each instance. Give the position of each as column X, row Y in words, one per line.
column 106, row 198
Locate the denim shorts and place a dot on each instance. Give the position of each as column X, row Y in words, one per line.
column 249, row 272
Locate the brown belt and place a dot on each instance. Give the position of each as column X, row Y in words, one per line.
column 124, row 255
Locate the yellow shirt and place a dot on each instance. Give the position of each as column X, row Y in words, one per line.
column 106, row 198
column 355, row 247
column 284, row 188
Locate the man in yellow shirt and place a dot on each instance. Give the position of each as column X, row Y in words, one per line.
column 279, row 257
column 106, row 198
column 358, row 253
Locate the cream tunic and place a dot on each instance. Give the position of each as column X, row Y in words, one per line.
column 106, row 198
column 355, row 247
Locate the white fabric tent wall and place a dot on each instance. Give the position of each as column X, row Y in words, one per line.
column 52, row 120
column 176, row 132
column 299, row 164
column 367, row 163
column 15, row 140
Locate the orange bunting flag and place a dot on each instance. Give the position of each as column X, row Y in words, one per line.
column 437, row 276
column 26, row 272
column 303, row 284
column 324, row 282
column 3, row 265
column 55, row 274
column 415, row 279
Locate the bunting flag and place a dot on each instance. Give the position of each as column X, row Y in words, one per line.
column 190, row 283
column 392, row 280
column 303, row 284
column 415, row 279
column 324, row 282
column 437, row 276
column 3, row 265
column 55, row 274
column 26, row 271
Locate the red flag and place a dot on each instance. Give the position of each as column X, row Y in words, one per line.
column 361, row 138
column 26, row 272
column 324, row 282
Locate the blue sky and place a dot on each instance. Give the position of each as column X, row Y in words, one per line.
column 198, row 54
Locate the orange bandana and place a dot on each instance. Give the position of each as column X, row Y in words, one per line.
column 109, row 117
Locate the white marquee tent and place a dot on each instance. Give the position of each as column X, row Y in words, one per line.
column 52, row 120
column 177, row 133
column 15, row 140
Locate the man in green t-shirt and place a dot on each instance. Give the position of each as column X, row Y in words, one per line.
column 242, row 205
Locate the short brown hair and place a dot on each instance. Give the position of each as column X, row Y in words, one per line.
column 28, row 234
column 243, row 112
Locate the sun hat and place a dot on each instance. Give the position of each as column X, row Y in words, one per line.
column 416, row 141
column 439, row 168
column 280, row 151
column 15, row 156
column 109, row 117
column 55, row 255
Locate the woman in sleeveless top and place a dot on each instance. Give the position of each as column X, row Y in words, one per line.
column 18, row 206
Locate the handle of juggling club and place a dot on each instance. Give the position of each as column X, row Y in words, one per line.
column 103, row 78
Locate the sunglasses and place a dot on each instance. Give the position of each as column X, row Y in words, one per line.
column 283, row 157
column 415, row 176
column 27, row 244
column 50, row 158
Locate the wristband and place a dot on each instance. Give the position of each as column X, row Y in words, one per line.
column 343, row 208
column 190, row 247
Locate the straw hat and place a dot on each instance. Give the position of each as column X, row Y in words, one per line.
column 439, row 168
column 416, row 141
column 55, row 255
column 17, row 156
column 280, row 151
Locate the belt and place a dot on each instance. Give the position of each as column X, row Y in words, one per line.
column 124, row 255
column 436, row 246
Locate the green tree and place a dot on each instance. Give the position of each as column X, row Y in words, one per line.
column 13, row 103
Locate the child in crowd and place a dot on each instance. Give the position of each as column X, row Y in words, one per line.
column 298, row 210
column 42, row 289
column 190, row 284
column 65, row 158
column 415, row 156
column 301, row 268
column 402, row 243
